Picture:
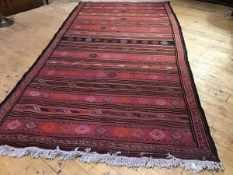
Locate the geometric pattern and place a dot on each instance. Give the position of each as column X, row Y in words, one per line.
column 115, row 77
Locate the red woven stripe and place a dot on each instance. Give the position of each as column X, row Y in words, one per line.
column 114, row 78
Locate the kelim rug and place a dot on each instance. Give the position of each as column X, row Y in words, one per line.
column 113, row 86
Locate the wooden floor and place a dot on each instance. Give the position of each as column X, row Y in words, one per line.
column 208, row 32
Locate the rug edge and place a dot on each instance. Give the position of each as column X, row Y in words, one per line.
column 22, row 78
column 203, row 116
column 111, row 158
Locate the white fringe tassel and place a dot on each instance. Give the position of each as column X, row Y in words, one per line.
column 111, row 159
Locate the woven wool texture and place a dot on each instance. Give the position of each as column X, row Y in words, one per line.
column 114, row 79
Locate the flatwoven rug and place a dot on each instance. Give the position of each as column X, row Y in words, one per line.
column 113, row 86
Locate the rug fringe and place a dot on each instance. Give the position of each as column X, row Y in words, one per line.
column 111, row 159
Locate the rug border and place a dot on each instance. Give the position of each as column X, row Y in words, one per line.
column 195, row 92
column 203, row 117
column 4, row 101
